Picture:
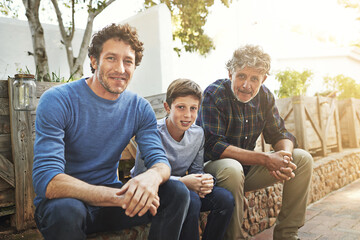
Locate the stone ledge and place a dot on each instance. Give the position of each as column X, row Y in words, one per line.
column 263, row 206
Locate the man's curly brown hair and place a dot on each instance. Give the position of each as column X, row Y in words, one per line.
column 124, row 33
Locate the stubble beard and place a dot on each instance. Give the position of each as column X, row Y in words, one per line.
column 236, row 96
column 106, row 85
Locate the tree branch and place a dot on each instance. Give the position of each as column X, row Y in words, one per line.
column 60, row 20
column 71, row 35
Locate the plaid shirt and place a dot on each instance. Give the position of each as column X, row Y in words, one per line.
column 226, row 121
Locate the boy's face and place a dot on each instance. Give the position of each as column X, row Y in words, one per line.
column 182, row 113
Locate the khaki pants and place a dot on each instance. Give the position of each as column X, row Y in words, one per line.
column 229, row 174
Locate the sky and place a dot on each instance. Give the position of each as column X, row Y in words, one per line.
column 277, row 25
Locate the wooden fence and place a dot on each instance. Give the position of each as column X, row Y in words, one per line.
column 16, row 157
column 349, row 114
column 314, row 121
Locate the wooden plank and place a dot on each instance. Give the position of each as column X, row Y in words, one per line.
column 4, row 185
column 5, row 124
column 7, row 171
column 318, row 132
column 300, row 120
column 157, row 103
column 22, row 152
column 4, row 106
column 41, row 87
column 5, row 142
column 7, row 198
column 353, row 142
column 4, row 89
column 337, row 127
column 7, row 211
column 125, row 155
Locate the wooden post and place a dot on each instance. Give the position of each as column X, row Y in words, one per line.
column 353, row 141
column 22, row 152
column 323, row 130
column 339, row 147
column 300, row 122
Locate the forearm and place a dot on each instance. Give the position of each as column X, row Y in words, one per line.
column 66, row 186
column 162, row 172
column 245, row 157
column 284, row 144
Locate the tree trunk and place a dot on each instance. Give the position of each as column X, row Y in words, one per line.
column 38, row 40
column 76, row 64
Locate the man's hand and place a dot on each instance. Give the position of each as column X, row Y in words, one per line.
column 202, row 184
column 141, row 194
column 284, row 174
column 280, row 165
column 277, row 160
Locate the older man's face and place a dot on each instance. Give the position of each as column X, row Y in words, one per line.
column 246, row 83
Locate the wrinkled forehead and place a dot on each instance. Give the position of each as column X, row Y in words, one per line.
column 249, row 69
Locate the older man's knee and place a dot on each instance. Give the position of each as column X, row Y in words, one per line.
column 231, row 175
column 303, row 158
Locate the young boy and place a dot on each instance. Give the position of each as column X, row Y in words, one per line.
column 183, row 142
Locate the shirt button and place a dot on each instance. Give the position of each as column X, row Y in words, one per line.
column 245, row 137
column 246, row 120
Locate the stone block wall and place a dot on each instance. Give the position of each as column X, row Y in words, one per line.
column 334, row 172
column 263, row 206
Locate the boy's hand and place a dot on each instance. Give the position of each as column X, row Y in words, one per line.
column 207, row 185
column 192, row 182
column 202, row 184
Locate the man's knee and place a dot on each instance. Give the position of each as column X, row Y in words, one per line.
column 64, row 210
column 61, row 218
column 231, row 175
column 303, row 159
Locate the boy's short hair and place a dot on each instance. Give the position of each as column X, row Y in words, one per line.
column 182, row 87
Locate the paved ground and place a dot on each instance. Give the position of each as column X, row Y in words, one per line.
column 335, row 217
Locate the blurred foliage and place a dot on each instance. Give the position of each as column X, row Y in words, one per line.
column 345, row 87
column 355, row 4
column 293, row 83
column 8, row 8
column 188, row 21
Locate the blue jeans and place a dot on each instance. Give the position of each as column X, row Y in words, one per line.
column 220, row 203
column 68, row 218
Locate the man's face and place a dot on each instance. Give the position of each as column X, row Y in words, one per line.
column 246, row 83
column 115, row 67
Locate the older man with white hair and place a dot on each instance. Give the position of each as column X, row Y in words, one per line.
column 234, row 112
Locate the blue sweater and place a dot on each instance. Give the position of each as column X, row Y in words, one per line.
column 83, row 135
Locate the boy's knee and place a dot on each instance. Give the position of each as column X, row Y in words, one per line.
column 176, row 191
column 195, row 203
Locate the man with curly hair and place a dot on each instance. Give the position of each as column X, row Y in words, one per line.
column 82, row 128
column 234, row 112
